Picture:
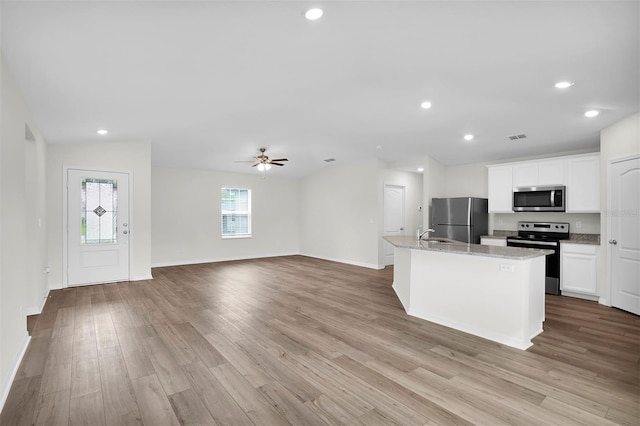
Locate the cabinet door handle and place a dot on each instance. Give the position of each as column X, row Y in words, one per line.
column 614, row 242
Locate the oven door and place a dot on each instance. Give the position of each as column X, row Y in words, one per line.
column 539, row 199
column 552, row 272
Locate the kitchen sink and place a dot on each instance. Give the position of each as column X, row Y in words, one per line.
column 441, row 240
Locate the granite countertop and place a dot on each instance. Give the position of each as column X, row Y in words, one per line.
column 593, row 239
column 456, row 247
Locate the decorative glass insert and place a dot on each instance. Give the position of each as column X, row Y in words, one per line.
column 99, row 211
column 236, row 212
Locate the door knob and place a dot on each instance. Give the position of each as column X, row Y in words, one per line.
column 614, row 242
column 402, row 229
column 125, row 232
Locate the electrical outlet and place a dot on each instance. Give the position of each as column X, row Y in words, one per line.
column 505, row 267
column 578, row 224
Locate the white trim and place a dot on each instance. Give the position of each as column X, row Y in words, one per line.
column 345, row 261
column 216, row 259
column 405, row 303
column 576, row 295
column 141, row 277
column 606, row 300
column 232, row 258
column 6, row 386
column 65, row 220
column 523, row 342
column 35, row 310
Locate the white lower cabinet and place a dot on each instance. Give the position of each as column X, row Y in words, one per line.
column 493, row 241
column 579, row 268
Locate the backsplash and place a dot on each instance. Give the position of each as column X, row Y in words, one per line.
column 579, row 223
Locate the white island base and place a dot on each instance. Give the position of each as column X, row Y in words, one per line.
column 500, row 299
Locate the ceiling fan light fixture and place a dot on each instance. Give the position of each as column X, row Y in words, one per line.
column 263, row 167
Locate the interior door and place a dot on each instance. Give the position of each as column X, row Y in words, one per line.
column 97, row 227
column 394, row 217
column 624, row 235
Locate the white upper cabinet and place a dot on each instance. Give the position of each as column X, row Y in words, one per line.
column 579, row 173
column 583, row 184
column 551, row 172
column 535, row 173
column 500, row 189
column 525, row 174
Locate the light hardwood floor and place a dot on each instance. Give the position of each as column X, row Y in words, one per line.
column 295, row 340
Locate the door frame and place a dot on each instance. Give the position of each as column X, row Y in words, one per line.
column 610, row 163
column 65, row 218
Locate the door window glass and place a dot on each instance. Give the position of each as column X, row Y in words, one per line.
column 99, row 211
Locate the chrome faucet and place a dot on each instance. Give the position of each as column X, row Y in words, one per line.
column 426, row 231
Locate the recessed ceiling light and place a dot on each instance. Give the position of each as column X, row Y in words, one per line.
column 468, row 137
column 592, row 113
column 313, row 14
column 421, row 169
column 425, row 105
column 564, row 84
column 102, row 132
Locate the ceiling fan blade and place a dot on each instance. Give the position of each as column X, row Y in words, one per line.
column 279, row 159
column 244, row 161
column 253, row 165
column 276, row 164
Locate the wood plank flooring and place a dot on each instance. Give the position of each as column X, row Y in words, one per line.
column 301, row 341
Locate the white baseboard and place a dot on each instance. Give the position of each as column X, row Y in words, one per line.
column 215, row 260
column 345, row 261
column 604, row 301
column 405, row 303
column 141, row 277
column 580, row 295
column 32, row 310
column 6, row 385
column 228, row 259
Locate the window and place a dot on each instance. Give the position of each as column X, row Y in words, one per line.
column 99, row 214
column 236, row 212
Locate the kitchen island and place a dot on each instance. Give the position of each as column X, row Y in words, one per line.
column 492, row 292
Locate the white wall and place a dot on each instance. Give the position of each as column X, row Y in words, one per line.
column 434, row 185
column 186, row 218
column 469, row 180
column 340, row 213
column 617, row 141
column 22, row 262
column 131, row 157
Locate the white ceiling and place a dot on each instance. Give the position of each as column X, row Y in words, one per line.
column 209, row 82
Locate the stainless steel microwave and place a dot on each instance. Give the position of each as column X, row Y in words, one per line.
column 539, row 199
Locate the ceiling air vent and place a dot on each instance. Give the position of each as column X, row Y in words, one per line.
column 516, row 137
column 329, row 160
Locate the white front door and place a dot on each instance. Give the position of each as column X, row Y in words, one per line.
column 624, row 234
column 97, row 227
column 393, row 217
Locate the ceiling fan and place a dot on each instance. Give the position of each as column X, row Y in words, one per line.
column 264, row 163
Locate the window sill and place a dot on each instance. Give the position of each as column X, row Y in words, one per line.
column 234, row 237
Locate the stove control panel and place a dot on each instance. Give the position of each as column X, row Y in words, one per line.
column 544, row 227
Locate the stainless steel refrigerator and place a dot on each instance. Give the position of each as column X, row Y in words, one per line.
column 463, row 219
